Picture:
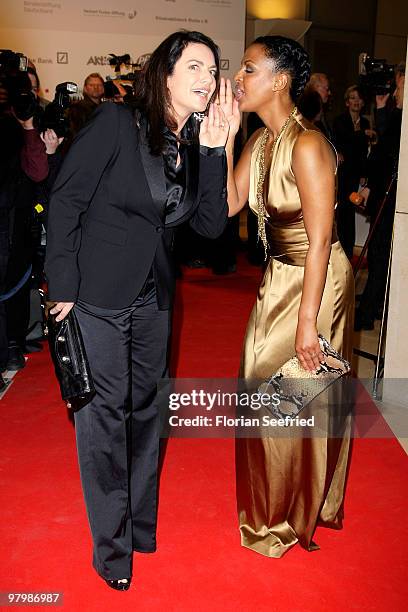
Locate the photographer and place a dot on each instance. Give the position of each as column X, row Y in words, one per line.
column 80, row 112
column 76, row 114
column 351, row 136
column 383, row 165
column 36, row 87
column 320, row 83
column 23, row 163
column 385, row 103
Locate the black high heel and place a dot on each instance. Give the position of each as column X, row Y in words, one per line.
column 118, row 586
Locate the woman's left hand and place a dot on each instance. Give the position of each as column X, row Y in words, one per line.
column 214, row 128
column 307, row 346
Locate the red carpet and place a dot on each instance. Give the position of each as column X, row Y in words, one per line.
column 199, row 565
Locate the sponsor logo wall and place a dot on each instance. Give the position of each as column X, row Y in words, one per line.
column 69, row 39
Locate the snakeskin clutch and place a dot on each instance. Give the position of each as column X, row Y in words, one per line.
column 297, row 387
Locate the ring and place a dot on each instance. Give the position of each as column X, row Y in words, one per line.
column 222, row 125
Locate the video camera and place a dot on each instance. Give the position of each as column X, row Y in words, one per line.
column 117, row 61
column 54, row 116
column 12, row 62
column 375, row 75
column 15, row 80
column 16, row 83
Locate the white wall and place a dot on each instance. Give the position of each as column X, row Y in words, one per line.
column 68, row 39
column 396, row 353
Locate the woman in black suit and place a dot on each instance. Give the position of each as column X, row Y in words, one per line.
column 125, row 184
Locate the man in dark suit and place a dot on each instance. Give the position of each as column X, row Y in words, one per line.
column 383, row 167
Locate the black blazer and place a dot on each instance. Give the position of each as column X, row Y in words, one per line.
column 107, row 225
column 353, row 144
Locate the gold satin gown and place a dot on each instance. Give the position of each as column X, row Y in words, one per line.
column 288, row 485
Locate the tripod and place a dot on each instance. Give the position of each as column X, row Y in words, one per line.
column 378, row 358
column 375, row 223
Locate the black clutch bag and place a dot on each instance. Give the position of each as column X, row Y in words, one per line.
column 70, row 361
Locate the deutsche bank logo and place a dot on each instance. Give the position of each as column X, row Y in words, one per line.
column 62, row 57
column 224, row 64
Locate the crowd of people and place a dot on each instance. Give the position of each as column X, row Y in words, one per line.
column 112, row 192
column 368, row 148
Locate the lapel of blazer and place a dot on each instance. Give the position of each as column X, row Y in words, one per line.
column 192, row 172
column 154, row 170
column 190, row 200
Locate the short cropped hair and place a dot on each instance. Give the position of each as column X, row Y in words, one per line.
column 94, row 75
column 317, row 77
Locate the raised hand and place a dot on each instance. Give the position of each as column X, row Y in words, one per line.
column 229, row 106
column 381, row 100
column 51, row 141
column 28, row 124
column 214, row 128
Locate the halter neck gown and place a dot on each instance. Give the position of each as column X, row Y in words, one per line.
column 287, row 485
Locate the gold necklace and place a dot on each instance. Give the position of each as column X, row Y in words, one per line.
column 262, row 214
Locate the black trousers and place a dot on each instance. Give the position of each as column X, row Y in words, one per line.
column 118, row 431
column 20, row 257
column 378, row 259
column 4, row 254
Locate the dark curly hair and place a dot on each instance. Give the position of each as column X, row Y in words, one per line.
column 288, row 56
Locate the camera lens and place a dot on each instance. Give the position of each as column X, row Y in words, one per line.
column 24, row 104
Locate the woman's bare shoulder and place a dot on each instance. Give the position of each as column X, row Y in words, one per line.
column 312, row 144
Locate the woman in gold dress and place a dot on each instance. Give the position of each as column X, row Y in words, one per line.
column 287, row 171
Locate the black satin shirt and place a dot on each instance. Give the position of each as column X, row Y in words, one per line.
column 175, row 175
